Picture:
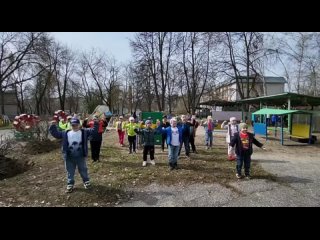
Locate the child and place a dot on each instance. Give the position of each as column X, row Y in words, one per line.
column 209, row 127
column 130, row 127
column 232, row 128
column 120, row 127
column 69, row 123
column 193, row 126
column 148, row 141
column 174, row 139
column 62, row 124
column 74, row 150
column 96, row 138
column 243, row 141
column 195, row 123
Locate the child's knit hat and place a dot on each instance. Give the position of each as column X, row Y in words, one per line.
column 243, row 125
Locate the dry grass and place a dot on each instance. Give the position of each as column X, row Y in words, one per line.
column 44, row 184
column 120, row 169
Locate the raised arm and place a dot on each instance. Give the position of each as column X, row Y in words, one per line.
column 94, row 129
column 224, row 124
column 54, row 130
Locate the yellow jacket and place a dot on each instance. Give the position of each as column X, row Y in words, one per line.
column 130, row 129
column 63, row 126
column 123, row 125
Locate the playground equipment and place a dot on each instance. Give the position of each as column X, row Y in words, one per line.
column 153, row 116
column 300, row 127
column 101, row 110
column 25, row 126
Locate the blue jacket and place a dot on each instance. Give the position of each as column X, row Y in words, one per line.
column 169, row 134
column 185, row 129
column 86, row 132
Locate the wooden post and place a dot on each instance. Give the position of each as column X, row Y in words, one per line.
column 310, row 131
column 265, row 120
column 281, row 130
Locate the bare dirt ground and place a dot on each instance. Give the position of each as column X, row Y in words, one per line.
column 282, row 176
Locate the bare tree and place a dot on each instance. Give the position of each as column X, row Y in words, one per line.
column 172, row 85
column 140, row 87
column 83, row 72
column 103, row 73
column 245, row 53
column 19, row 87
column 296, row 51
column 65, row 67
column 45, row 82
column 16, row 50
column 196, row 67
column 156, row 49
column 112, row 81
column 96, row 67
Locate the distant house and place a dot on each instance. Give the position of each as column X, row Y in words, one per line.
column 229, row 91
column 10, row 104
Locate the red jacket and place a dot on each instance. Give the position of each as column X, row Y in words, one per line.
column 102, row 124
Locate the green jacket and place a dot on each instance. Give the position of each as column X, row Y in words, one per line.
column 148, row 135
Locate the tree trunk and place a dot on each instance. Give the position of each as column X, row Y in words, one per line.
column 2, row 101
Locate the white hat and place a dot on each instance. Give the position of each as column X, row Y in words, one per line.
column 233, row 119
column 131, row 118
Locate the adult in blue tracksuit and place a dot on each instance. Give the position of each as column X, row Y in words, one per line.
column 185, row 127
column 174, row 139
column 75, row 150
column 164, row 124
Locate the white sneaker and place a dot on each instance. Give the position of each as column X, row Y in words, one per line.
column 144, row 163
column 153, row 162
column 87, row 185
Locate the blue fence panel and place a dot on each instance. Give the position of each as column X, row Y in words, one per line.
column 260, row 128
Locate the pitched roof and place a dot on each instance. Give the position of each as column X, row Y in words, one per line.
column 275, row 79
column 282, row 98
column 268, row 79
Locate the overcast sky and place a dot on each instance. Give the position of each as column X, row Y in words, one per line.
column 115, row 43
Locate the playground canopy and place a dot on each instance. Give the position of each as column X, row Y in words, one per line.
column 270, row 111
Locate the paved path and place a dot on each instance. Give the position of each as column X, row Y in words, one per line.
column 298, row 179
column 6, row 134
